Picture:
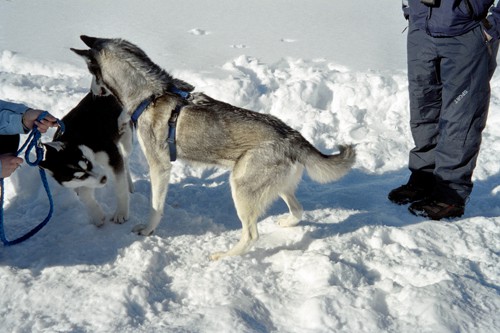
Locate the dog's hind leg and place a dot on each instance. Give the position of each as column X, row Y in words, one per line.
column 248, row 214
column 295, row 208
column 288, row 195
column 252, row 190
column 86, row 195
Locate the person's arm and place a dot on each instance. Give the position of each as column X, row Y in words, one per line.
column 492, row 23
column 11, row 117
column 18, row 118
column 406, row 9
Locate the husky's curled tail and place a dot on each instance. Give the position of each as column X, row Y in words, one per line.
column 328, row 168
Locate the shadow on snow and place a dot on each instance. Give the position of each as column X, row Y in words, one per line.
column 196, row 206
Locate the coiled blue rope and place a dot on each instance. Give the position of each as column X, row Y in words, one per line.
column 33, row 141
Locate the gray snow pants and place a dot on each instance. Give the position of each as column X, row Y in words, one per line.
column 449, row 94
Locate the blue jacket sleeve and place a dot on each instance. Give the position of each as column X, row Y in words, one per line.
column 492, row 27
column 11, row 115
column 406, row 9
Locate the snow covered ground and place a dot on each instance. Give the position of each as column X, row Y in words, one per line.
column 356, row 263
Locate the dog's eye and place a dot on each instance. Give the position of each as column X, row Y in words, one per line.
column 94, row 68
column 80, row 175
column 85, row 164
column 92, row 65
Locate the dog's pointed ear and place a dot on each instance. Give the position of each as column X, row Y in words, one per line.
column 83, row 53
column 50, row 148
column 89, row 41
column 55, row 145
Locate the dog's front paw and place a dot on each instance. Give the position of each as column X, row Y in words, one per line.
column 217, row 255
column 98, row 221
column 119, row 217
column 97, row 217
column 143, row 230
column 288, row 221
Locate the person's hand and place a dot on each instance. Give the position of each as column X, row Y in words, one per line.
column 9, row 164
column 488, row 36
column 30, row 116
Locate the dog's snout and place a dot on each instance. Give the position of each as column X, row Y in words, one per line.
column 104, row 179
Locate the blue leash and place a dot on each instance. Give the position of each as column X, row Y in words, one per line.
column 33, row 141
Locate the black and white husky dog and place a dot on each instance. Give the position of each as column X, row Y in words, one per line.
column 96, row 144
column 267, row 157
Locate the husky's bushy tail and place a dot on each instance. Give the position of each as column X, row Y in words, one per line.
column 327, row 168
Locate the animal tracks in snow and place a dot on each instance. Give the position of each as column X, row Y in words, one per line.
column 203, row 32
column 198, row 32
column 244, row 46
column 239, row 46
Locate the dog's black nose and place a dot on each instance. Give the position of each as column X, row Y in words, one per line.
column 104, row 179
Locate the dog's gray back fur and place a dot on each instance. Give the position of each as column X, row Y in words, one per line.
column 266, row 156
column 234, row 131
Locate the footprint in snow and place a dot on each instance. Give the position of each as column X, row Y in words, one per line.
column 239, row 46
column 198, row 32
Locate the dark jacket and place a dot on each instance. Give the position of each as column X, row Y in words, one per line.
column 453, row 17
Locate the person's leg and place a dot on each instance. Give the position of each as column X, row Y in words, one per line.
column 425, row 89
column 467, row 65
column 424, row 86
column 466, row 71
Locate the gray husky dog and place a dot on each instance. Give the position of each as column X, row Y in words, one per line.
column 266, row 156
